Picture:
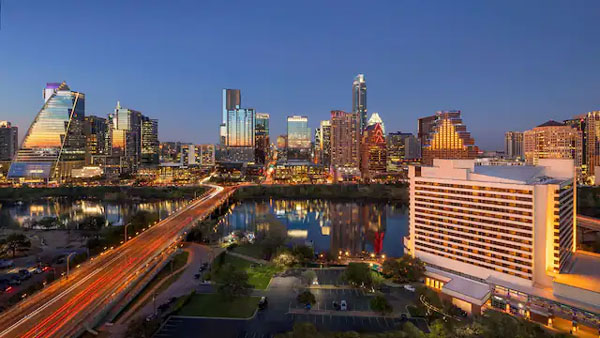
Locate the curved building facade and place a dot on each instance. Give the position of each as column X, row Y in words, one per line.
column 55, row 142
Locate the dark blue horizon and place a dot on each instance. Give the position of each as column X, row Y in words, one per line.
column 507, row 65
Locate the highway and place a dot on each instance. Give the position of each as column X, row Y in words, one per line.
column 66, row 307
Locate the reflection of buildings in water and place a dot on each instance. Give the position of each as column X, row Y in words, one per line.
column 346, row 234
column 374, row 220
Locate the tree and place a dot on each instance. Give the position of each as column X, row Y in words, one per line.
column 303, row 253
column 233, row 282
column 380, row 304
column 285, row 258
column 404, row 269
column 306, row 297
column 438, row 330
column 308, row 277
column 17, row 241
column 358, row 274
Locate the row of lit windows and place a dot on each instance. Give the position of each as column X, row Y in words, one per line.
column 446, row 242
column 475, row 213
column 434, row 251
column 497, row 261
column 479, row 234
column 480, row 239
column 474, row 206
column 474, row 193
column 476, row 187
column 425, row 214
column 478, row 200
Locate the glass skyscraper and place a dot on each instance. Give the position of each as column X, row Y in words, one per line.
column 261, row 135
column 55, row 142
column 299, row 137
column 359, row 99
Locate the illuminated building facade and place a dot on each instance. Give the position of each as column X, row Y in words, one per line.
column 232, row 99
column 553, row 140
column 9, row 141
column 373, row 151
column 375, row 118
column 359, row 100
column 513, row 144
column 149, row 142
column 482, row 228
column 591, row 143
column 55, row 141
column 401, row 148
column 345, row 139
column 424, row 128
column 281, row 148
column 298, row 138
column 261, row 135
column 324, row 145
column 448, row 139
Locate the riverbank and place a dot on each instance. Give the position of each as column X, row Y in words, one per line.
column 397, row 193
column 105, row 193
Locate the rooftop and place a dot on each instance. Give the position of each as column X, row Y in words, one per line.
column 583, row 273
column 552, row 123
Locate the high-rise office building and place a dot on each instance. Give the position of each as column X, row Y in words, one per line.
column 298, row 138
column 261, row 135
column 375, row 118
column 373, row 151
column 231, row 100
column 359, row 100
column 281, row 148
column 9, row 141
column 149, row 142
column 240, row 141
column 345, row 139
column 553, row 140
column 169, row 151
column 448, row 139
column 591, row 143
column 482, row 228
column 401, row 148
column 55, row 141
column 125, row 132
column 323, row 143
column 96, row 134
column 205, row 154
column 424, row 128
column 513, row 144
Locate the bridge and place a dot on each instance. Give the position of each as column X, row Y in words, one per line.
column 70, row 306
column 589, row 223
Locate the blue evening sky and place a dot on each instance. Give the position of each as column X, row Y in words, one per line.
column 508, row 65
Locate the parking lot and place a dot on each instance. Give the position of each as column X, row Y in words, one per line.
column 330, row 276
column 357, row 300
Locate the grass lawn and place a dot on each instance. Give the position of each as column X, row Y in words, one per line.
column 212, row 305
column 259, row 276
column 252, row 250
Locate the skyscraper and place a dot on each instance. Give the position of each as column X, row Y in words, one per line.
column 261, row 135
column 591, row 143
column 345, row 139
column 240, row 135
column 553, row 140
column 401, row 147
column 375, row 118
column 323, row 146
column 149, row 141
column 125, row 136
column 448, row 139
column 55, row 142
column 359, row 100
column 96, row 131
column 513, row 144
column 424, row 127
column 232, row 99
column 298, row 138
column 9, row 141
column 373, row 152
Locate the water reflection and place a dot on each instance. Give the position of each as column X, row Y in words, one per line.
column 24, row 214
column 328, row 225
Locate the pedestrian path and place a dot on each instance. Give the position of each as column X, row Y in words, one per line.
column 248, row 258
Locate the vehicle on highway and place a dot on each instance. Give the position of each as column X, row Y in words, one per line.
column 37, row 271
column 343, row 305
column 15, row 280
column 24, row 274
column 409, row 287
column 262, row 303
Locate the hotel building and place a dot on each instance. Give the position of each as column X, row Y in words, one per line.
column 448, row 138
column 490, row 230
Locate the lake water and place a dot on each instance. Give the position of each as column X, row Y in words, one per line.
column 327, row 225
column 25, row 213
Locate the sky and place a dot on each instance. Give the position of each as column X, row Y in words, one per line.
column 507, row 65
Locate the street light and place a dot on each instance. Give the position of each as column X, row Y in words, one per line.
column 68, row 260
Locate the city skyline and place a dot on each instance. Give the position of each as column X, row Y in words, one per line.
column 514, row 80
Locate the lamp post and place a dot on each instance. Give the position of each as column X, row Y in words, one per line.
column 126, row 226
column 68, row 260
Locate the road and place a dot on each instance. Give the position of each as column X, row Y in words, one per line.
column 67, row 306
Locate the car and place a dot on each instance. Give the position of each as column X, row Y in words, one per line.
column 163, row 307
column 197, row 276
column 262, row 303
column 343, row 305
column 202, row 269
column 5, row 264
column 37, row 271
column 24, row 274
column 409, row 287
column 14, row 280
column 336, row 305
